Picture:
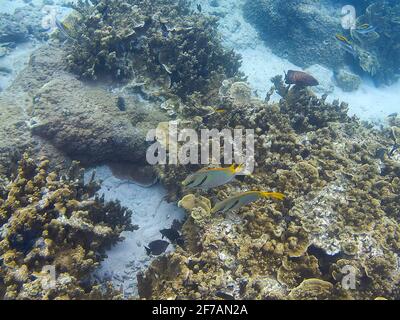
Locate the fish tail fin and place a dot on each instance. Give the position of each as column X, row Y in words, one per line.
column 239, row 168
column 275, row 195
column 235, row 169
column 148, row 251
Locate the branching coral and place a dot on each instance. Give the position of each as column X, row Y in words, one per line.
column 142, row 41
column 53, row 222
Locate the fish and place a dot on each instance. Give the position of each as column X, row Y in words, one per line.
column 157, row 247
column 171, row 234
column 224, row 295
column 365, row 29
column 63, row 29
column 199, row 8
column 345, row 44
column 207, row 178
column 342, row 38
column 237, row 201
column 300, row 79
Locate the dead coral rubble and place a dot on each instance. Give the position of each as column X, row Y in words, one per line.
column 341, row 211
column 51, row 221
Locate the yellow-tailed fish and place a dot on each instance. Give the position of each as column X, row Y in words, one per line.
column 342, row 39
column 365, row 29
column 220, row 110
column 237, row 201
column 207, row 178
column 64, row 29
column 345, row 44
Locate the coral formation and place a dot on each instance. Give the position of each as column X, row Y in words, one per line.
column 52, row 222
column 347, row 80
column 378, row 52
column 341, row 210
column 14, row 136
column 141, row 41
column 312, row 41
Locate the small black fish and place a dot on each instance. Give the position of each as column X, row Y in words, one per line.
column 171, row 234
column 223, row 295
column 157, row 247
column 199, row 8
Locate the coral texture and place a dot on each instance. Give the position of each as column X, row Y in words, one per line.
column 52, row 221
column 341, row 212
column 144, row 41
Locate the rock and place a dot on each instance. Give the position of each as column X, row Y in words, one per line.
column 12, row 30
column 79, row 119
column 347, row 80
column 86, row 123
column 301, row 31
column 324, row 77
column 14, row 135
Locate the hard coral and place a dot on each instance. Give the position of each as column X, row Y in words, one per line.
column 53, row 222
column 142, row 41
column 340, row 208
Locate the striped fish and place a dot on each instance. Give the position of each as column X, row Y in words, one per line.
column 208, row 178
column 63, row 29
column 237, row 201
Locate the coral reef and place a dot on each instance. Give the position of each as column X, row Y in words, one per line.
column 52, row 222
column 303, row 32
column 341, row 211
column 378, row 52
column 141, row 41
column 87, row 124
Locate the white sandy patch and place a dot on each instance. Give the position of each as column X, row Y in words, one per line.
column 129, row 257
column 260, row 65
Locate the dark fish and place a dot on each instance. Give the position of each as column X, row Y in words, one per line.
column 171, row 234
column 300, row 79
column 224, row 295
column 199, row 8
column 157, row 247
column 393, row 150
